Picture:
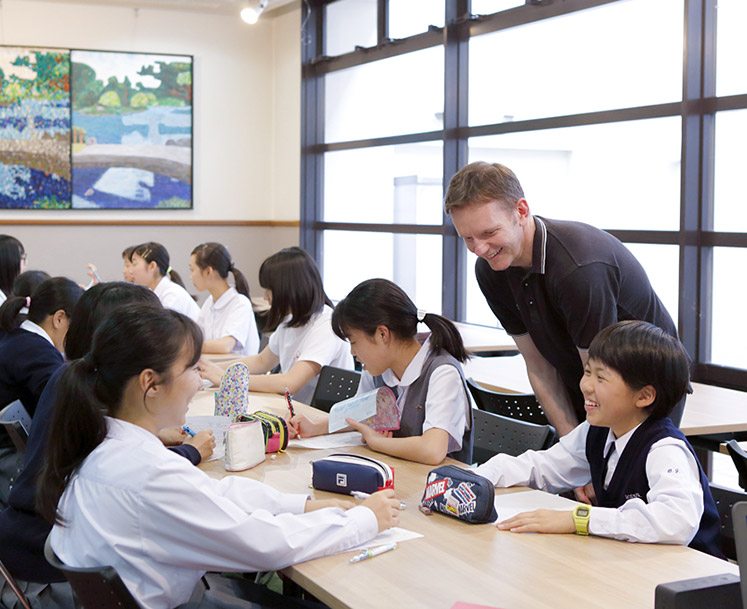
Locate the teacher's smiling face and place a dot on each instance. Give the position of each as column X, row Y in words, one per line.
column 496, row 232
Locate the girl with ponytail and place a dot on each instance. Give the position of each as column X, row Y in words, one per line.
column 226, row 319
column 151, row 267
column 380, row 322
column 118, row 497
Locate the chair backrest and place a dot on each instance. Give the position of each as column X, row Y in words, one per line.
column 498, row 434
column 740, row 461
column 17, row 422
column 94, row 587
column 334, row 385
column 725, row 499
column 25, row 603
column 522, row 406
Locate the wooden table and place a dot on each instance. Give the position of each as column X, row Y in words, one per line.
column 455, row 561
column 485, row 340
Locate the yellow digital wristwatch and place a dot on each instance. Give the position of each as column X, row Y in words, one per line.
column 581, row 515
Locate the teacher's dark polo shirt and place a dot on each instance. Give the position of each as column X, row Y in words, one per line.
column 582, row 280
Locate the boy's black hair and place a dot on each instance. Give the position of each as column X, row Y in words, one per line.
column 643, row 354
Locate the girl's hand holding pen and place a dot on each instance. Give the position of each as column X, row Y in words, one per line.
column 385, row 505
column 204, row 442
column 302, row 427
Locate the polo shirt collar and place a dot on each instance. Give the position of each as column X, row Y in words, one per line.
column 413, row 370
column 539, row 246
column 225, row 298
column 161, row 286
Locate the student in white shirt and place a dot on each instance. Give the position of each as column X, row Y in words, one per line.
column 648, row 484
column 151, row 267
column 303, row 340
column 12, row 264
column 380, row 321
column 118, row 497
column 226, row 318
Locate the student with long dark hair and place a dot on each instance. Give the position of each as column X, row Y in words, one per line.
column 22, row 529
column 226, row 318
column 12, row 264
column 299, row 317
column 119, row 498
column 151, row 267
column 380, row 321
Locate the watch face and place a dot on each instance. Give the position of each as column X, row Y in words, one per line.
column 582, row 512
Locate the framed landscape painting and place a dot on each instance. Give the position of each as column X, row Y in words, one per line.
column 95, row 129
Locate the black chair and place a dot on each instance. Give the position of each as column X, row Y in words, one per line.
column 725, row 499
column 498, row 434
column 94, row 587
column 521, row 406
column 334, row 385
column 740, row 461
column 17, row 422
column 25, row 603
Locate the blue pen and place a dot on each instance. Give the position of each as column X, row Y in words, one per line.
column 189, row 431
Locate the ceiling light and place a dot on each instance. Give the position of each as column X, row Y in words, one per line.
column 251, row 13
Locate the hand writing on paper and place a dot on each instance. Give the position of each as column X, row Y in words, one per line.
column 300, row 426
column 172, row 436
column 204, row 442
column 318, row 504
column 210, row 371
column 385, row 506
column 540, row 521
column 369, row 435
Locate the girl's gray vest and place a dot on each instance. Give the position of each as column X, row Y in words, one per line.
column 413, row 413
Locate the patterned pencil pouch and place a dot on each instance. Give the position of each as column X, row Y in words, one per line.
column 232, row 397
column 460, row 493
column 274, row 427
column 343, row 473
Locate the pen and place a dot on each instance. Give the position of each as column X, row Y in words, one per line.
column 290, row 403
column 366, row 553
column 95, row 274
column 362, row 495
column 189, row 431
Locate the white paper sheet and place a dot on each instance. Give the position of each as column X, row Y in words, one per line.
column 335, row 440
column 219, row 427
column 395, row 534
column 357, row 408
column 510, row 504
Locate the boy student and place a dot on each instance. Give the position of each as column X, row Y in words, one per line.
column 649, row 485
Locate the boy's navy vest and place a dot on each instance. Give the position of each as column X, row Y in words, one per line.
column 629, row 480
column 413, row 413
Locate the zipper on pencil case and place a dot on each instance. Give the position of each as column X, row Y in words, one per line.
column 386, row 471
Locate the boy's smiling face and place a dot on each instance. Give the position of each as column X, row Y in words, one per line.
column 610, row 402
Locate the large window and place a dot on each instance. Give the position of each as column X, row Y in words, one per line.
column 626, row 114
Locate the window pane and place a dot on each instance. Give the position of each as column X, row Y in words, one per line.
column 728, row 333
column 412, row 261
column 478, row 311
column 384, row 185
column 730, row 200
column 615, row 176
column 488, row 7
column 662, row 265
column 404, row 94
column 409, row 17
column 731, row 47
column 625, row 54
column 349, row 23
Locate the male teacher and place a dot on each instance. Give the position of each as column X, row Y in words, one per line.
column 552, row 284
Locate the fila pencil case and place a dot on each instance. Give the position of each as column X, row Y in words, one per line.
column 343, row 473
column 460, row 493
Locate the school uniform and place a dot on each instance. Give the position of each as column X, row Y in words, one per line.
column 431, row 393
column 671, row 505
column 161, row 523
column 313, row 342
column 3, row 297
column 175, row 297
column 230, row 315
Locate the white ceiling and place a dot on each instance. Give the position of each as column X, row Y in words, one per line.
column 217, row 7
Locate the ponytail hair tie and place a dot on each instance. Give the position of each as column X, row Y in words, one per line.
column 421, row 314
column 231, row 266
column 28, row 301
column 168, row 270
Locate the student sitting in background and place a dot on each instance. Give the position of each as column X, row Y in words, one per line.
column 127, row 502
column 151, row 268
column 12, row 264
column 226, row 319
column 299, row 315
column 22, row 529
column 648, row 483
column 380, row 321
column 27, row 282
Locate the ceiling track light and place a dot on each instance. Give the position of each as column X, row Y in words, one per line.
column 251, row 13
